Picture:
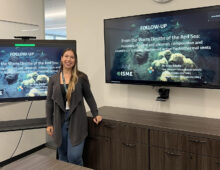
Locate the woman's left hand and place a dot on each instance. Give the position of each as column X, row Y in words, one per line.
column 97, row 119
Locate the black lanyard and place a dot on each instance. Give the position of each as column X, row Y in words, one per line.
column 64, row 83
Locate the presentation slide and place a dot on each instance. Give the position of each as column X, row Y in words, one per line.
column 25, row 71
column 182, row 47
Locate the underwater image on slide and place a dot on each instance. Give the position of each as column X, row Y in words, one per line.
column 25, row 71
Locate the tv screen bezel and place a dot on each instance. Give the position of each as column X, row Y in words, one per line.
column 158, row 83
column 38, row 43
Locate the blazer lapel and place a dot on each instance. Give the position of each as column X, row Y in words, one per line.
column 75, row 99
column 57, row 95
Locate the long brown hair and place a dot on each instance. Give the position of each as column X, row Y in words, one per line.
column 74, row 75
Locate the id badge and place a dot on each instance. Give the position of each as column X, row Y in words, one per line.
column 67, row 106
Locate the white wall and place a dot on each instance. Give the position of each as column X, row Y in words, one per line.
column 21, row 17
column 85, row 24
column 30, row 139
column 15, row 17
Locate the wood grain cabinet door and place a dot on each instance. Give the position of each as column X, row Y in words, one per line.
column 106, row 128
column 130, row 150
column 129, row 133
column 204, row 146
column 208, row 163
column 129, row 156
column 168, row 140
column 97, row 153
column 164, row 159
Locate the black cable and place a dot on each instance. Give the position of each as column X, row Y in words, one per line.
column 17, row 144
column 22, row 131
column 29, row 110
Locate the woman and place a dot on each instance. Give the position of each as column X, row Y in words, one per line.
column 66, row 114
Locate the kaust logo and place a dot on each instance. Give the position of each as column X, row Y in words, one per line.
column 125, row 73
column 20, row 88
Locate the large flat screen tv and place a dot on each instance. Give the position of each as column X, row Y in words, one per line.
column 176, row 48
column 26, row 65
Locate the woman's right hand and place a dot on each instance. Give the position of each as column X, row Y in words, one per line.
column 50, row 130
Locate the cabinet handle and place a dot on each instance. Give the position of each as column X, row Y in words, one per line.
column 172, row 153
column 197, row 141
column 107, row 140
column 131, row 145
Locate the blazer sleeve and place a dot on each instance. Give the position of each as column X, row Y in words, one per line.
column 49, row 104
column 87, row 93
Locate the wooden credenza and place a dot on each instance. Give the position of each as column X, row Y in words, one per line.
column 129, row 139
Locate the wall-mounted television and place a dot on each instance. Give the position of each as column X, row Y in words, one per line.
column 176, row 48
column 26, row 65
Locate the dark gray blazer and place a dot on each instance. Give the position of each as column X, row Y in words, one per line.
column 55, row 109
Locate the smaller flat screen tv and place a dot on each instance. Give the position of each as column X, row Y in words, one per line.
column 26, row 65
column 176, row 48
